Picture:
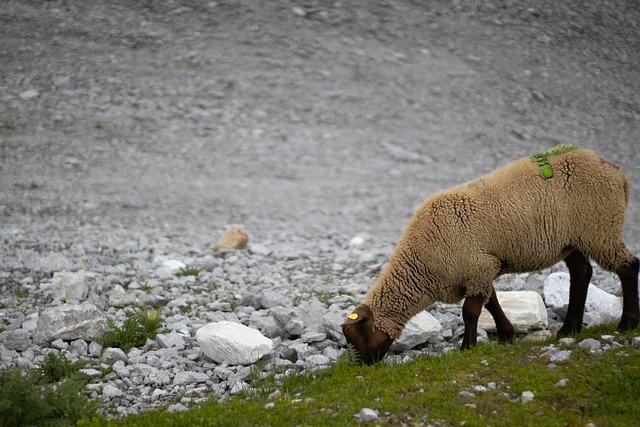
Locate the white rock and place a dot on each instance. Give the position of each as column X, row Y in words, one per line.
column 177, row 407
column 112, row 355
column 367, row 415
column 69, row 285
column 109, row 391
column 17, row 339
column 590, row 344
column 29, row 93
column 185, row 378
column 70, row 322
column 316, row 360
column 356, row 241
column 169, row 268
column 525, row 310
column 420, row 329
column 537, row 336
column 600, row 308
column 171, row 340
column 527, row 397
column 311, row 312
column 333, row 320
column 232, row 343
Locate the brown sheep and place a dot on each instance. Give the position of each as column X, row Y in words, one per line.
column 565, row 204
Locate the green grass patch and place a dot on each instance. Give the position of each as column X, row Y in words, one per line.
column 188, row 271
column 55, row 368
column 600, row 388
column 134, row 331
column 49, row 395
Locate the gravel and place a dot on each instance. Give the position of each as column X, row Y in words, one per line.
column 132, row 136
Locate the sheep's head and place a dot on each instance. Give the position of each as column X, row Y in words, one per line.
column 370, row 344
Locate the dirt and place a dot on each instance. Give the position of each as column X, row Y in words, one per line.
column 294, row 120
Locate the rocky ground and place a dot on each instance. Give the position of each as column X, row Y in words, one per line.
column 132, row 133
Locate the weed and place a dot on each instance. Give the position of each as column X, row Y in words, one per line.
column 134, row 331
column 27, row 398
column 55, row 368
column 188, row 271
column 145, row 286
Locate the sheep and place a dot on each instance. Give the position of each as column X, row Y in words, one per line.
column 565, row 204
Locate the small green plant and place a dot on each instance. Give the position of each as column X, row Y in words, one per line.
column 134, row 331
column 188, row 271
column 145, row 286
column 27, row 398
column 55, row 368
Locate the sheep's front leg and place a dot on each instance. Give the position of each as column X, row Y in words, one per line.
column 580, row 274
column 471, row 310
column 503, row 325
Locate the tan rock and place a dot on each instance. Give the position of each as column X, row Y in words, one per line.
column 233, row 238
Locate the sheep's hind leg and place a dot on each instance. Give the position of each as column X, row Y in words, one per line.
column 580, row 271
column 471, row 310
column 628, row 274
column 503, row 325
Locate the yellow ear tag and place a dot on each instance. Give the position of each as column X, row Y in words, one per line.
column 353, row 316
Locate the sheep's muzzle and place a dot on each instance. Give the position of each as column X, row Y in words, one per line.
column 371, row 345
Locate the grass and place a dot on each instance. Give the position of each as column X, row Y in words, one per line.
column 134, row 331
column 55, row 368
column 45, row 396
column 601, row 389
column 188, row 271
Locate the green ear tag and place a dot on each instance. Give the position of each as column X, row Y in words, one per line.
column 353, row 316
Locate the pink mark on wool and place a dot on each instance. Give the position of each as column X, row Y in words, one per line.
column 607, row 162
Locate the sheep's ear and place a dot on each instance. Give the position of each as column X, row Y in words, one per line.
column 360, row 314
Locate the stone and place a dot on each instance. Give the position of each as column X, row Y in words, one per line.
column 590, row 344
column 109, row 391
column 70, row 322
column 600, row 307
column 18, row 339
column 233, row 238
column 29, row 94
column 172, row 339
column 69, row 285
column 311, row 312
column 367, row 415
column 79, row 347
column 561, row 383
column 270, row 298
column 537, row 336
column 559, row 356
column 112, row 355
column 527, row 397
column 169, row 268
column 177, row 407
column 316, row 361
column 287, row 319
column 266, row 324
column 525, row 310
column 187, row 377
column 333, row 320
column 421, row 328
column 232, row 343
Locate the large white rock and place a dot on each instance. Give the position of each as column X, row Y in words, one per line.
column 233, row 343
column 421, row 328
column 68, row 285
column 525, row 310
column 600, row 307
